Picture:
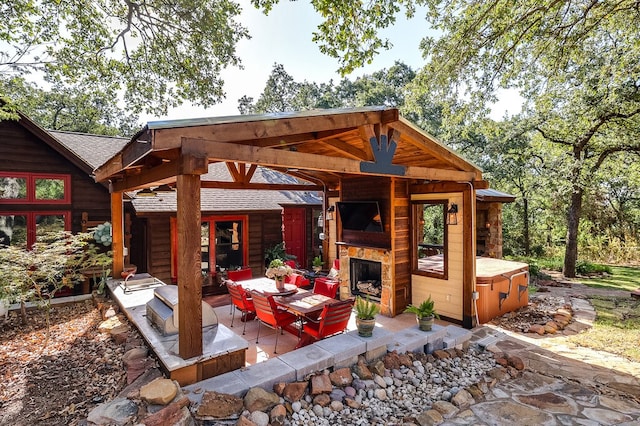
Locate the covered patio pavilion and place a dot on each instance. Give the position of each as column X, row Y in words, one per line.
column 349, row 155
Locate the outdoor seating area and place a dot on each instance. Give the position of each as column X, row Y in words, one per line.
column 310, row 319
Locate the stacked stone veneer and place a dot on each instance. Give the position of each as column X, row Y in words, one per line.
column 373, row 254
column 494, row 240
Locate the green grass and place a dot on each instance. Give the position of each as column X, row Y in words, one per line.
column 616, row 328
column 622, row 278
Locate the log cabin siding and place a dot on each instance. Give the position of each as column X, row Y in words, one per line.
column 265, row 230
column 21, row 151
column 159, row 247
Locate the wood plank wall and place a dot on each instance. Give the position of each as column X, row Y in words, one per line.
column 401, row 244
column 21, row 151
column 265, row 230
column 159, row 247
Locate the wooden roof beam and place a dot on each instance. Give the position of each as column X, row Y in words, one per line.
column 346, row 149
column 417, row 137
column 281, row 127
column 271, row 157
column 164, row 173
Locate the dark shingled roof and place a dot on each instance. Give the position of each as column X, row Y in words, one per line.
column 93, row 150
column 215, row 200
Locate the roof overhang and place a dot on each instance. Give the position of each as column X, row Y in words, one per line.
column 321, row 146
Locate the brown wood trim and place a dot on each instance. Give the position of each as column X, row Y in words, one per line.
column 189, row 272
column 117, row 233
column 164, row 173
column 469, row 256
column 447, row 186
column 414, row 240
column 426, row 188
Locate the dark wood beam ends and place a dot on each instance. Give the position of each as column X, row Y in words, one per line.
column 189, row 272
column 260, row 186
column 193, row 164
column 271, row 157
column 164, row 173
column 109, row 169
column 135, row 151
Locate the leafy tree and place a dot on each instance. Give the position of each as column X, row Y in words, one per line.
column 283, row 93
column 70, row 109
column 156, row 54
column 55, row 261
column 577, row 64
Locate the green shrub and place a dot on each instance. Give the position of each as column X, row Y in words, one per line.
column 584, row 267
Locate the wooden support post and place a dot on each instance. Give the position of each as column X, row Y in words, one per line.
column 117, row 233
column 469, row 255
column 189, row 275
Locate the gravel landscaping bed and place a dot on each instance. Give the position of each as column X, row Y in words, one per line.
column 59, row 384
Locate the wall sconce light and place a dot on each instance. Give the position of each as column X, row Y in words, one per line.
column 146, row 192
column 330, row 211
column 452, row 214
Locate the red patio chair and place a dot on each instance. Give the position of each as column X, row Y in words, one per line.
column 291, row 263
column 333, row 320
column 239, row 275
column 298, row 279
column 326, row 287
column 272, row 316
column 240, row 300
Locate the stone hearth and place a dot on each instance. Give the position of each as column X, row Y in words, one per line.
column 372, row 254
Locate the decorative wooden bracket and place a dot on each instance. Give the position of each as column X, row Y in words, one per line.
column 383, row 153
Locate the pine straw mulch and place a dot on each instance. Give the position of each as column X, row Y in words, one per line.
column 61, row 383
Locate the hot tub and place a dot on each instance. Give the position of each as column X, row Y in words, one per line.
column 502, row 286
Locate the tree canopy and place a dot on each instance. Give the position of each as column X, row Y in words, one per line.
column 69, row 109
column 152, row 54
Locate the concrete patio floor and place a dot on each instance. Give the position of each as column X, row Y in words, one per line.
column 264, row 349
column 400, row 332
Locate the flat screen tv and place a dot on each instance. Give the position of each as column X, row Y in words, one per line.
column 360, row 216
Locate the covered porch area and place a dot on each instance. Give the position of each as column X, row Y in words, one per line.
column 370, row 155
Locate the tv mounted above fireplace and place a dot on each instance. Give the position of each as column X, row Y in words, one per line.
column 360, row 216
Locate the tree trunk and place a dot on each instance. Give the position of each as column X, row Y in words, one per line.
column 525, row 221
column 571, row 250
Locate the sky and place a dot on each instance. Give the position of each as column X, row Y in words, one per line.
column 285, row 37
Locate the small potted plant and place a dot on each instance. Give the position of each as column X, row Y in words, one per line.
column 366, row 312
column 425, row 313
column 317, row 264
column 277, row 271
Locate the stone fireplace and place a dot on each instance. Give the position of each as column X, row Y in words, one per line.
column 371, row 268
column 365, row 278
